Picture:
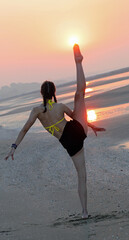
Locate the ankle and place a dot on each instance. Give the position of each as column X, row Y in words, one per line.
column 78, row 61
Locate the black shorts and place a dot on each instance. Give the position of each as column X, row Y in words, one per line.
column 73, row 137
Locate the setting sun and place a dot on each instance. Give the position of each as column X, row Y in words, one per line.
column 91, row 115
column 73, row 40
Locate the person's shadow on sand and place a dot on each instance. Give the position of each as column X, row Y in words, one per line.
column 76, row 220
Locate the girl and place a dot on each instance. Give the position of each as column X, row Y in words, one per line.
column 71, row 134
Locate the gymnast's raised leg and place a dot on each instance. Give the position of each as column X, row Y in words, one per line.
column 81, row 116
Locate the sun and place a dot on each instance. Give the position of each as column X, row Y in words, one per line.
column 73, row 40
column 91, row 115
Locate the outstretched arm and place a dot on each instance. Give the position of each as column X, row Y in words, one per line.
column 96, row 129
column 27, row 126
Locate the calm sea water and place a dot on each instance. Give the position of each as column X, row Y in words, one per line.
column 15, row 111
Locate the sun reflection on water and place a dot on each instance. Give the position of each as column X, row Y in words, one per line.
column 88, row 90
column 91, row 115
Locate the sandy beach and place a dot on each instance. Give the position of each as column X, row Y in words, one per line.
column 39, row 188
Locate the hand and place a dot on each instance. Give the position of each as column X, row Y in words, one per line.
column 11, row 153
column 98, row 129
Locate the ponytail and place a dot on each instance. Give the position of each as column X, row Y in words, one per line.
column 55, row 98
column 44, row 99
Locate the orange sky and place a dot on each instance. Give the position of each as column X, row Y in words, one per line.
column 34, row 38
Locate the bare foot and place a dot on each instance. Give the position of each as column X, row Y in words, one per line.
column 77, row 54
column 84, row 215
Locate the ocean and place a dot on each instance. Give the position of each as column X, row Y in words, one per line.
column 107, row 96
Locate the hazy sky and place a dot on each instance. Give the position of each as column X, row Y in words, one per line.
column 34, row 38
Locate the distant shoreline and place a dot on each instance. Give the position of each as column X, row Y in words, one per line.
column 10, row 90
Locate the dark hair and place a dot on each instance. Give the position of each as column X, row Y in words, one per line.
column 48, row 90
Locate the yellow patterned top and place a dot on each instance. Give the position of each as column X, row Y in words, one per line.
column 53, row 127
